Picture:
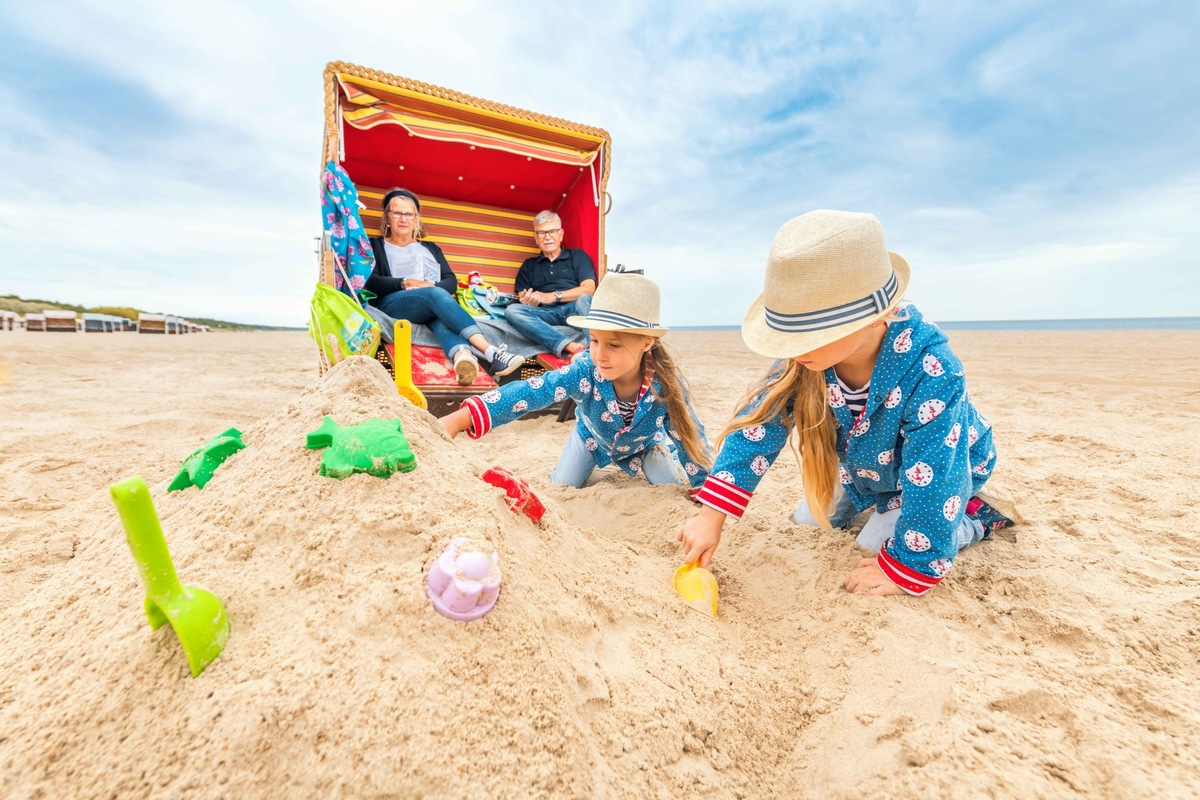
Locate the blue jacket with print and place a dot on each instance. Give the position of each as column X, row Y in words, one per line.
column 597, row 418
column 919, row 446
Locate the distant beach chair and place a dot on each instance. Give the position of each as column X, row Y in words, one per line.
column 482, row 171
column 61, row 321
column 35, row 322
column 152, row 323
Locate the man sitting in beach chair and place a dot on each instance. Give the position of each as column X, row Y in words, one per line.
column 550, row 287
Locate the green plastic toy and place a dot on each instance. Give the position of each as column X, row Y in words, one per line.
column 376, row 447
column 197, row 616
column 198, row 468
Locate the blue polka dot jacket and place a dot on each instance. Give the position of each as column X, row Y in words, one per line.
column 597, row 418
column 919, row 446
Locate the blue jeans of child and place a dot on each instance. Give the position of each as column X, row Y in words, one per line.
column 881, row 525
column 659, row 464
column 533, row 322
column 432, row 306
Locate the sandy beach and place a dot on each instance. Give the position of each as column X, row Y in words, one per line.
column 1059, row 659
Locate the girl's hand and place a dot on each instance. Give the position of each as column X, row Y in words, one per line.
column 700, row 536
column 456, row 422
column 867, row 578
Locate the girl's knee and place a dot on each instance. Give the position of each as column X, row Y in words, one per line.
column 661, row 467
column 880, row 527
column 803, row 515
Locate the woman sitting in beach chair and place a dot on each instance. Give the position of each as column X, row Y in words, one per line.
column 412, row 280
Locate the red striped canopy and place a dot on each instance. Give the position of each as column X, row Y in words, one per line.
column 466, row 152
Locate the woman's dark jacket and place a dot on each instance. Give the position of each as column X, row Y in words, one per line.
column 382, row 283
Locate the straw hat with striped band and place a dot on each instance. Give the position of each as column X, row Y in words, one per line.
column 829, row 274
column 624, row 302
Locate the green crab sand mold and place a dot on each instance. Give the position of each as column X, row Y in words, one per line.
column 198, row 468
column 376, row 447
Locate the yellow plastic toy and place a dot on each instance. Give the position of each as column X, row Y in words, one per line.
column 402, row 364
column 697, row 587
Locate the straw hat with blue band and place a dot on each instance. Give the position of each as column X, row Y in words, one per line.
column 829, row 274
column 625, row 302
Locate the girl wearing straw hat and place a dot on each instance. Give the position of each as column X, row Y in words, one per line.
column 878, row 401
column 633, row 410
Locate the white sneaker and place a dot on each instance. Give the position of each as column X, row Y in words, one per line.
column 465, row 367
column 504, row 362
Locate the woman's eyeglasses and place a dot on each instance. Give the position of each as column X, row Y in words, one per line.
column 404, row 215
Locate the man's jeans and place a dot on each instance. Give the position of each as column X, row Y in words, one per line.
column 533, row 322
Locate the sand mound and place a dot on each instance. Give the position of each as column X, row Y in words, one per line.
column 1059, row 662
column 337, row 665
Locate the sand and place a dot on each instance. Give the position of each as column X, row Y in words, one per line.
column 1061, row 659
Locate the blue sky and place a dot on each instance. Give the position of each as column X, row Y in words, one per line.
column 1029, row 159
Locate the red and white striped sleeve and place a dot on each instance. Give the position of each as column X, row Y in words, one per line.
column 481, row 418
column 724, row 496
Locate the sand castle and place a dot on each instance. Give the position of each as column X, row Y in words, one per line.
column 335, row 646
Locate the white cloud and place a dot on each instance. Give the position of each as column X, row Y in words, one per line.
column 992, row 141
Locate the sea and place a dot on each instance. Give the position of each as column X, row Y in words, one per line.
column 1099, row 324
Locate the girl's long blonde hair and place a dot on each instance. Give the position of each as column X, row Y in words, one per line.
column 796, row 394
column 674, row 392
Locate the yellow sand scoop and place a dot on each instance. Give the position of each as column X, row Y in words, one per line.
column 402, row 364
column 697, row 587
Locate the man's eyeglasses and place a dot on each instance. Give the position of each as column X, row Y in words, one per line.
column 544, row 234
column 405, row 215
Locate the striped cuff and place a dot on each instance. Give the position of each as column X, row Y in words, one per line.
column 724, row 497
column 481, row 418
column 911, row 581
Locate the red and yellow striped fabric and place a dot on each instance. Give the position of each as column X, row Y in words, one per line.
column 371, row 103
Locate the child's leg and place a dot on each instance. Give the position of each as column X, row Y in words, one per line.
column 879, row 528
column 842, row 515
column 575, row 464
column 882, row 526
column 660, row 466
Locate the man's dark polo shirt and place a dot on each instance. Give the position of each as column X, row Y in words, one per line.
column 569, row 270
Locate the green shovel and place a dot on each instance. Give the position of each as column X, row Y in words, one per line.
column 197, row 616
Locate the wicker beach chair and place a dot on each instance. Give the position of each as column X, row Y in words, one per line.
column 482, row 171
column 61, row 321
column 152, row 323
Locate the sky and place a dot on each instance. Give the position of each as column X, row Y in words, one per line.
column 1030, row 160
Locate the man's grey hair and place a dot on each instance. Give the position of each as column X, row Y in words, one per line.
column 547, row 216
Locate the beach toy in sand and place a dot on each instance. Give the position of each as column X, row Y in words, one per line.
column 402, row 364
column 697, row 587
column 520, row 497
column 376, row 447
column 198, row 617
column 198, row 468
column 464, row 582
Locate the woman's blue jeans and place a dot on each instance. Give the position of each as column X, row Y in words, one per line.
column 435, row 307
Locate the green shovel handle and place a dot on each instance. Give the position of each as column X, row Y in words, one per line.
column 145, row 537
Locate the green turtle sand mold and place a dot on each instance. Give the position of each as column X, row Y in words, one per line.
column 376, row 447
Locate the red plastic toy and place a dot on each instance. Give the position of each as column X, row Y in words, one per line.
column 520, row 497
